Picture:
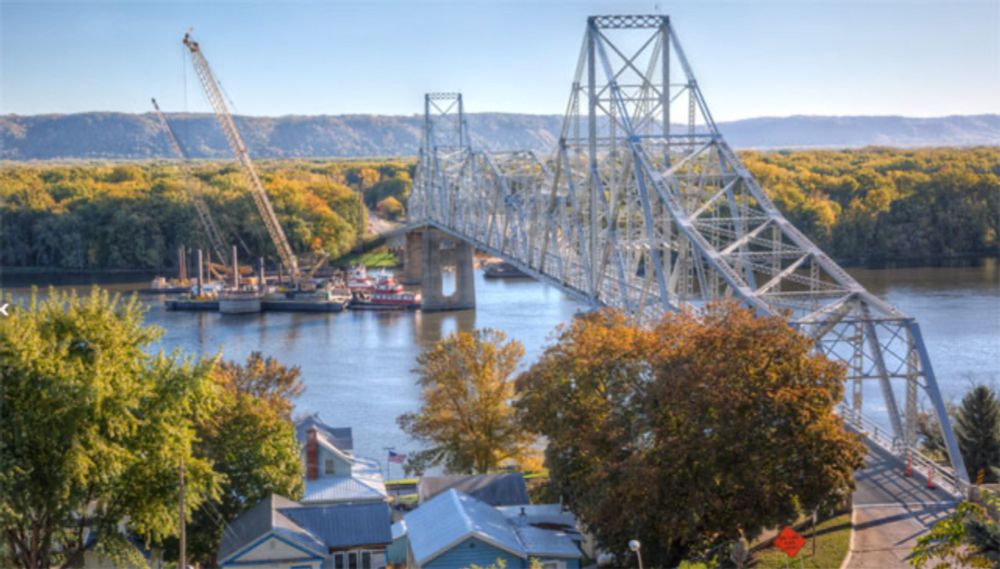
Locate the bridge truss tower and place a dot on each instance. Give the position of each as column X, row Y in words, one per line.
column 646, row 207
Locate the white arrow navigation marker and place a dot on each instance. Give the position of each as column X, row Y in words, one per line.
column 3, row 309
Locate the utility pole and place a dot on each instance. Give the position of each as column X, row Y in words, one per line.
column 182, row 555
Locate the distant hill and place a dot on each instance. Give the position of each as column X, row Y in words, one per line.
column 101, row 135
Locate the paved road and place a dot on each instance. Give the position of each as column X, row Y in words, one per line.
column 890, row 512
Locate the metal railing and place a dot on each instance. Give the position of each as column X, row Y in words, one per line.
column 942, row 475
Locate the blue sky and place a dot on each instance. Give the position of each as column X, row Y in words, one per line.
column 379, row 56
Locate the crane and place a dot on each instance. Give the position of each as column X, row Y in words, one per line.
column 225, row 119
column 204, row 215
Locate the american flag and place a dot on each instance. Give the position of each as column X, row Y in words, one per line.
column 397, row 457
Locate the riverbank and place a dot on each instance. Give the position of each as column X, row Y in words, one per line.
column 381, row 258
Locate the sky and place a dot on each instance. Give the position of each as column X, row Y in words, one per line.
column 752, row 58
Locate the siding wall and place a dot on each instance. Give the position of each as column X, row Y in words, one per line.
column 341, row 466
column 473, row 551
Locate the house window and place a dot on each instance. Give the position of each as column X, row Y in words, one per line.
column 338, row 561
column 328, row 467
column 352, row 560
column 366, row 560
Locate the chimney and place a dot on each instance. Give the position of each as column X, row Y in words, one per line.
column 312, row 454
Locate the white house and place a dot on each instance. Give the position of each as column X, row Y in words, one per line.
column 334, row 475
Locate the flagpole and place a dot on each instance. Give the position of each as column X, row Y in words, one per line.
column 388, row 462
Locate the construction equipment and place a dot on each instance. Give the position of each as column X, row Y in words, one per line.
column 204, row 215
column 225, row 119
column 319, row 263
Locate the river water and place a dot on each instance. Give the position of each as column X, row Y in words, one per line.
column 357, row 365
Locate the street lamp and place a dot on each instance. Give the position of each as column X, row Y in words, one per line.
column 635, row 546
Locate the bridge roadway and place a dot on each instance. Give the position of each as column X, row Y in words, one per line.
column 891, row 511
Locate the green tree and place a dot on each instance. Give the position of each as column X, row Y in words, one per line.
column 467, row 419
column 252, row 443
column 977, row 428
column 968, row 538
column 93, row 429
column 707, row 428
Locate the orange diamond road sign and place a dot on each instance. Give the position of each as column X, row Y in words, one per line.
column 789, row 541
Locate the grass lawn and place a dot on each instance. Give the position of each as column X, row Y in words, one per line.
column 833, row 537
column 373, row 260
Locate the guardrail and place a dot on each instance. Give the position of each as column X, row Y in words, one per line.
column 943, row 476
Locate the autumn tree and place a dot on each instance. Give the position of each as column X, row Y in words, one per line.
column 390, row 208
column 252, row 444
column 93, row 429
column 466, row 417
column 705, row 428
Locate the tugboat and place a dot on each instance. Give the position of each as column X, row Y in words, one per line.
column 387, row 294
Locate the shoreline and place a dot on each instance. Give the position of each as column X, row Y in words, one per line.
column 962, row 260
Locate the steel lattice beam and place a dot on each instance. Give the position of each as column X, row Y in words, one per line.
column 638, row 212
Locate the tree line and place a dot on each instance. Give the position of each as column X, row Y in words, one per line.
column 135, row 215
column 881, row 204
column 860, row 206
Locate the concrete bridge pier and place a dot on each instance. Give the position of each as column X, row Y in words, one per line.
column 428, row 253
column 413, row 258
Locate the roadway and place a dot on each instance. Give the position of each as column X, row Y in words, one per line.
column 891, row 511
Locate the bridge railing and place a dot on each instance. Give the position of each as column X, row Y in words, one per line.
column 942, row 476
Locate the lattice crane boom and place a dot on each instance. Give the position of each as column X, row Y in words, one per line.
column 225, row 119
column 204, row 215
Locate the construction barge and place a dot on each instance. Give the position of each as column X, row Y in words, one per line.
column 266, row 305
column 258, row 294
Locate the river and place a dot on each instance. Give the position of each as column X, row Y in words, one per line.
column 357, row 365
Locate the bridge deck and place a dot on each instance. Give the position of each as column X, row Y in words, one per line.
column 891, row 511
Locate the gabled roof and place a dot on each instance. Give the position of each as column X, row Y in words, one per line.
column 364, row 484
column 266, row 517
column 341, row 437
column 452, row 517
column 346, row 525
column 311, row 528
column 342, row 489
column 499, row 489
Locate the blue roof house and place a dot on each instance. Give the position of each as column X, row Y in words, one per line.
column 454, row 530
column 279, row 533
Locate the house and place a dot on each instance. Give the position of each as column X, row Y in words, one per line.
column 455, row 530
column 334, row 474
column 279, row 533
column 497, row 489
column 341, row 437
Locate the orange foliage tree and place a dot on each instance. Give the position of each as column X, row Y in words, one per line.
column 701, row 430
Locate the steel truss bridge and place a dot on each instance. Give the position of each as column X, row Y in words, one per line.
column 645, row 207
